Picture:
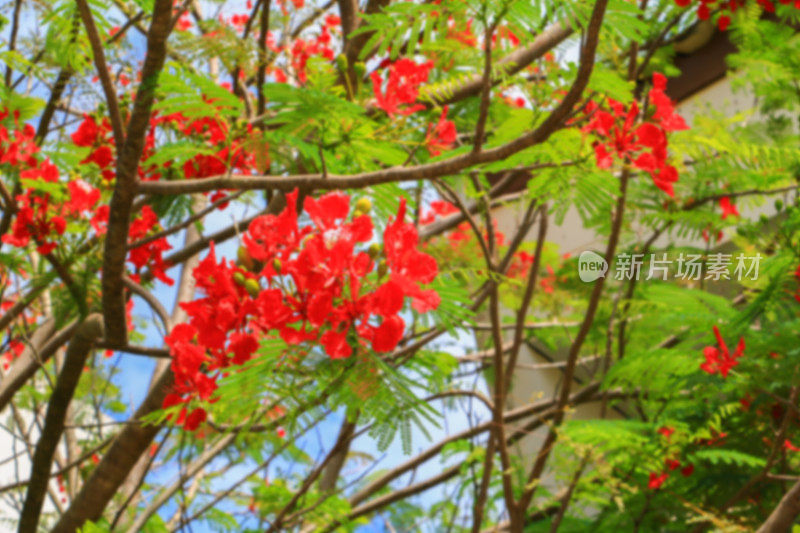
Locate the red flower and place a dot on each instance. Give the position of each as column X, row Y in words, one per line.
column 442, row 136
column 789, row 446
column 719, row 359
column 727, row 207
column 195, row 418
column 645, row 146
column 672, row 464
column 402, row 86
column 687, row 470
column 149, row 254
column 666, row 431
column 407, row 264
column 82, row 196
column 388, row 334
column 746, row 401
column 303, row 284
column 656, row 480
column 336, row 345
column 87, row 133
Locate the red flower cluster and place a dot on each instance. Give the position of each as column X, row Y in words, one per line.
column 440, row 208
column 303, row 283
column 38, row 217
column 728, row 208
column 643, row 146
column 230, row 154
column 402, row 86
column 657, row 479
column 719, row 359
column 99, row 138
column 15, row 349
column 442, row 135
column 150, row 253
column 726, row 7
column 461, row 33
column 504, row 33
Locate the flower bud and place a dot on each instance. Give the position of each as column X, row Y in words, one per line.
column 360, row 68
column 383, row 268
column 778, row 204
column 276, row 264
column 364, row 205
column 341, row 62
column 252, row 287
column 374, row 250
column 239, row 279
column 244, row 259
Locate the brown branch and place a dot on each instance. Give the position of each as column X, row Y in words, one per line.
column 587, row 58
column 341, row 445
column 101, row 66
column 125, row 450
column 12, row 40
column 512, row 63
column 309, row 182
column 262, row 55
column 514, row 415
column 79, row 348
column 64, row 469
column 192, row 470
column 565, row 500
column 331, row 473
column 692, row 204
column 128, row 158
column 189, row 250
column 486, row 87
column 588, row 394
column 151, row 300
column 146, row 351
column 186, row 223
column 575, row 347
column 782, row 517
column 33, row 357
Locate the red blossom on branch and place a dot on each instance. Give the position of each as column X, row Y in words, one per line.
column 642, row 145
column 401, row 86
column 442, row 136
column 656, row 480
column 718, row 358
column 310, row 285
column 728, row 209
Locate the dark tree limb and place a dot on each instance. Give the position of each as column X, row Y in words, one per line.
column 783, row 516
column 105, row 479
column 331, row 472
column 79, row 349
column 101, row 66
column 128, row 158
column 33, row 357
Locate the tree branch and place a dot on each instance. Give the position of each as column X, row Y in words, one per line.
column 77, row 352
column 128, row 158
column 101, row 66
